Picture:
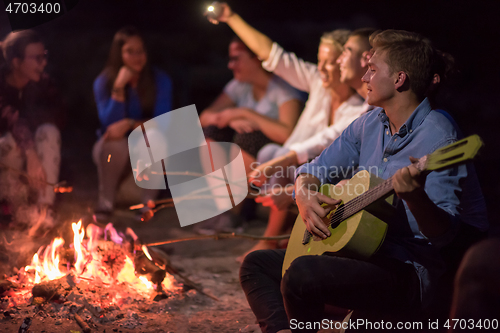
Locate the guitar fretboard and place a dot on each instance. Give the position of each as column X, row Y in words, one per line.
column 362, row 201
column 355, row 205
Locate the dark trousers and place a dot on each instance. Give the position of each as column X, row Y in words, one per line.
column 378, row 285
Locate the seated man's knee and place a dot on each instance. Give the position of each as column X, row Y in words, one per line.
column 116, row 146
column 48, row 132
column 252, row 262
column 298, row 276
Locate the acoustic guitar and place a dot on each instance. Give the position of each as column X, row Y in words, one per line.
column 356, row 232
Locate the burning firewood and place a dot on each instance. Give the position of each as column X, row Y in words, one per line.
column 52, row 290
column 6, row 285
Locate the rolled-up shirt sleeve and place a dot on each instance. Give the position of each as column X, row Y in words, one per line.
column 297, row 72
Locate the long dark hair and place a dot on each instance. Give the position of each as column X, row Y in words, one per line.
column 14, row 46
column 146, row 87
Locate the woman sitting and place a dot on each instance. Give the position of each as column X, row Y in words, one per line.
column 254, row 109
column 128, row 92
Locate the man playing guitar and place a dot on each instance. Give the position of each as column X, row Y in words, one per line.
column 401, row 277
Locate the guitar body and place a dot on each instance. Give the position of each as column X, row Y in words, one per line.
column 355, row 233
column 358, row 236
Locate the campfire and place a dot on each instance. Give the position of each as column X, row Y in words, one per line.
column 102, row 276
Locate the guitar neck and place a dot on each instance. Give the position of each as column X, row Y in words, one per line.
column 445, row 157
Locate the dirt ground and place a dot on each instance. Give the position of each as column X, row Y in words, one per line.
column 209, row 263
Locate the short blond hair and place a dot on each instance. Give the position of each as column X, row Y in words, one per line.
column 336, row 38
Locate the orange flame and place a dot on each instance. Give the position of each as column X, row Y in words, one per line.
column 77, row 243
column 48, row 269
column 88, row 262
column 146, row 252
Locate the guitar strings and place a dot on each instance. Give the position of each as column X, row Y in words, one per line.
column 365, row 199
column 358, row 203
column 361, row 201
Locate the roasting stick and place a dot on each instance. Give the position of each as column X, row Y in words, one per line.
column 58, row 187
column 217, row 237
column 169, row 202
column 191, row 196
column 170, row 269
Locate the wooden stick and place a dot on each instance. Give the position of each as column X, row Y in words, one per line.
column 252, row 194
column 58, row 187
column 218, row 236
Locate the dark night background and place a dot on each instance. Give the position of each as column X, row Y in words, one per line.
column 194, row 53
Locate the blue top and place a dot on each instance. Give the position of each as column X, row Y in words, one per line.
column 368, row 144
column 111, row 111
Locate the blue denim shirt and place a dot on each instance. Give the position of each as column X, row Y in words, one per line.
column 368, row 144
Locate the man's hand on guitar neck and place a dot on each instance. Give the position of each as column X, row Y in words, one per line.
column 409, row 182
column 309, row 202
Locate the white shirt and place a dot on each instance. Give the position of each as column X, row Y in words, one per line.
column 345, row 114
column 277, row 93
column 313, row 122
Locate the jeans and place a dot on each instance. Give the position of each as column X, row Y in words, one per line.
column 380, row 284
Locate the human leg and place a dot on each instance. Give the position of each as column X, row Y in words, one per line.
column 278, row 217
column 13, row 192
column 380, row 284
column 48, row 148
column 111, row 157
column 260, row 278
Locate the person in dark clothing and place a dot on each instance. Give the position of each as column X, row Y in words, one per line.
column 30, row 118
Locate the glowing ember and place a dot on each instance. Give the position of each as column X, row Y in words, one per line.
column 146, row 252
column 210, row 8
